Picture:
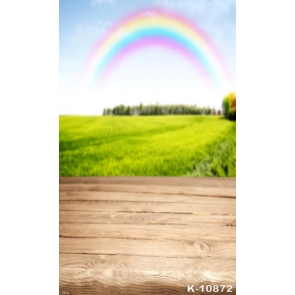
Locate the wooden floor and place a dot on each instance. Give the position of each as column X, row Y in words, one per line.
column 147, row 235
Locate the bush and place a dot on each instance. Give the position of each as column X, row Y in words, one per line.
column 229, row 106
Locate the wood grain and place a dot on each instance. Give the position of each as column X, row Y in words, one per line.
column 146, row 235
column 167, row 248
column 162, row 181
column 117, row 206
column 139, row 197
column 152, row 189
column 144, row 218
column 143, row 231
column 117, row 274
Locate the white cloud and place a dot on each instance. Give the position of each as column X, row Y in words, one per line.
column 191, row 5
column 99, row 2
column 203, row 9
column 91, row 29
column 195, row 5
column 89, row 33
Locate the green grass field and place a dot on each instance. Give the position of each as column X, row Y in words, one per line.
column 147, row 146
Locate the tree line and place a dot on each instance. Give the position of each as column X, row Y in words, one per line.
column 156, row 109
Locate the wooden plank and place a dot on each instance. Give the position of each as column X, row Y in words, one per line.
column 133, row 275
column 162, row 181
column 117, row 206
column 144, row 247
column 145, row 218
column 152, row 189
column 133, row 197
column 151, row 232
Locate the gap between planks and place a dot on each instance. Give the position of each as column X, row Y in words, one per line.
column 139, row 197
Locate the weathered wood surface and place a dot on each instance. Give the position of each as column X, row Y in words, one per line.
column 152, row 189
column 144, row 231
column 164, row 181
column 146, row 235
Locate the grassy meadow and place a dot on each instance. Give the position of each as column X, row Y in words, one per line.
column 147, row 146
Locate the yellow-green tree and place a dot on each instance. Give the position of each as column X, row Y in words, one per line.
column 229, row 106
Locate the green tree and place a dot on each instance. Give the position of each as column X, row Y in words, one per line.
column 140, row 108
column 229, row 106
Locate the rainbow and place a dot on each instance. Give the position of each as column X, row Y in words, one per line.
column 160, row 28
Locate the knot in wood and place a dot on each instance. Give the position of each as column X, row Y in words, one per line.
column 201, row 246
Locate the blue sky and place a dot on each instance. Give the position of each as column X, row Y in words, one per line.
column 148, row 76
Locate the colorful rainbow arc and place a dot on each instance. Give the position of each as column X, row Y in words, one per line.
column 163, row 29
